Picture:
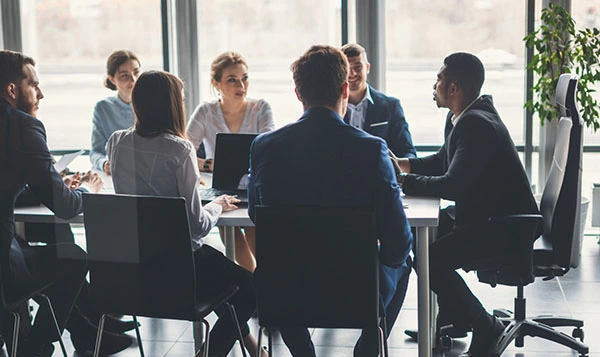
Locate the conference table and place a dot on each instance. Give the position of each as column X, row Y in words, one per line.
column 422, row 214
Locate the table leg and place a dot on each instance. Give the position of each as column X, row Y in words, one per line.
column 229, row 242
column 424, row 293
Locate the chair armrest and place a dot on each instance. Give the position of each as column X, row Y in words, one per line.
column 517, row 218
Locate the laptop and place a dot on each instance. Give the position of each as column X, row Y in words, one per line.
column 230, row 171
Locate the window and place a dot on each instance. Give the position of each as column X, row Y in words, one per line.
column 271, row 35
column 70, row 41
column 419, row 34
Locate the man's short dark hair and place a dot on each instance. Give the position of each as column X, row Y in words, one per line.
column 319, row 75
column 353, row 50
column 466, row 70
column 11, row 67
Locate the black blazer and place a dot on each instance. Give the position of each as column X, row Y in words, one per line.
column 26, row 160
column 478, row 167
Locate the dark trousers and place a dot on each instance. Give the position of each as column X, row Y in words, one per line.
column 459, row 249
column 393, row 283
column 62, row 265
column 214, row 274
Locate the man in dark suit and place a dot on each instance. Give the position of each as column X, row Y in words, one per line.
column 26, row 160
column 477, row 167
column 327, row 162
column 373, row 111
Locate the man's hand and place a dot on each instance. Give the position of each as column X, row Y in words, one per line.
column 400, row 164
column 92, row 180
column 72, row 181
column 206, row 165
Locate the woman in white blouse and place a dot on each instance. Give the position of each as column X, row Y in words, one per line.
column 154, row 158
column 233, row 112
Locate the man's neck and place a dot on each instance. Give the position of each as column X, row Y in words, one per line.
column 356, row 96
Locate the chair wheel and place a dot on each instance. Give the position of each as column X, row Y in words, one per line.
column 578, row 333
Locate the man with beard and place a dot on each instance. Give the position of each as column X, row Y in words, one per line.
column 25, row 161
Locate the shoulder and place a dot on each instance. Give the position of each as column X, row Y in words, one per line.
column 259, row 105
column 178, row 144
column 106, row 102
column 383, row 100
column 205, row 109
column 120, row 136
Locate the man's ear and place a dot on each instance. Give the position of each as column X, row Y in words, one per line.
column 368, row 68
column 10, row 91
column 453, row 88
column 297, row 94
column 345, row 92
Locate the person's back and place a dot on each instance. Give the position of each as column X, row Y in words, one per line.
column 322, row 161
column 317, row 171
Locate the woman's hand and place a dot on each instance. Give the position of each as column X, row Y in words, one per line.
column 227, row 202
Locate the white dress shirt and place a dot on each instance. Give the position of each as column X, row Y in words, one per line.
column 164, row 165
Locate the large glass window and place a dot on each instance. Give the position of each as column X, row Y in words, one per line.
column 419, row 34
column 71, row 40
column 586, row 14
column 270, row 34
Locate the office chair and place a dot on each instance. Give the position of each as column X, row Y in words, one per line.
column 558, row 249
column 11, row 304
column 141, row 262
column 318, row 267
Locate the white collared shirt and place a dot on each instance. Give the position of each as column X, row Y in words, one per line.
column 358, row 112
column 456, row 118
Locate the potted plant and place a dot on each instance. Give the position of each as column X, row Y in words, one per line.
column 560, row 48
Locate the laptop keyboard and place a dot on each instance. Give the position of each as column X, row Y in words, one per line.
column 215, row 192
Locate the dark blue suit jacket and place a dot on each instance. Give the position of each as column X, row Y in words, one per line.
column 327, row 162
column 26, row 160
column 385, row 119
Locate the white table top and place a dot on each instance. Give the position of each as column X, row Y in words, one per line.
column 421, row 212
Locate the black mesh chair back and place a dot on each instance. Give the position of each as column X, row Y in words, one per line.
column 561, row 241
column 139, row 249
column 317, row 267
column 141, row 261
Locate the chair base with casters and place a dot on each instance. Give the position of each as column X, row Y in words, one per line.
column 517, row 327
column 13, row 310
column 203, row 310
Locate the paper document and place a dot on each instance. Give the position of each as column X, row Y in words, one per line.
column 66, row 159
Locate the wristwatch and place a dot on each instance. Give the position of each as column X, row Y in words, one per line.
column 400, row 177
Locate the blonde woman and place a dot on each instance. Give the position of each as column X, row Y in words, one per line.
column 232, row 112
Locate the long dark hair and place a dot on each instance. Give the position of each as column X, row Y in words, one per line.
column 157, row 100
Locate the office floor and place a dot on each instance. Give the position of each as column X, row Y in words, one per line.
column 577, row 294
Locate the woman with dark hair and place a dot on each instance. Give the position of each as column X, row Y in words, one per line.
column 114, row 113
column 155, row 158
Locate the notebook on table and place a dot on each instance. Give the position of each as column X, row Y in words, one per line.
column 230, row 170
